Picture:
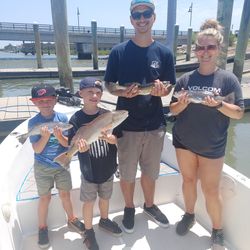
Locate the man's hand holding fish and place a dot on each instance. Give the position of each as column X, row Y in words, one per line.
column 130, row 91
column 161, row 88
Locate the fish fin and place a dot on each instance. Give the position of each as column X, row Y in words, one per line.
column 22, row 138
column 230, row 98
column 128, row 84
column 63, row 159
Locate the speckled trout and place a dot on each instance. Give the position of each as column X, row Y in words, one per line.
column 36, row 129
column 144, row 89
column 198, row 96
column 91, row 132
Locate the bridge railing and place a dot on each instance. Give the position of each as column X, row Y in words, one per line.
column 24, row 26
column 75, row 29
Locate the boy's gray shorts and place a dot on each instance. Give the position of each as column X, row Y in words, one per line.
column 89, row 190
column 46, row 177
column 140, row 147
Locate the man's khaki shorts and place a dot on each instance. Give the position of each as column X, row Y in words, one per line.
column 140, row 147
column 46, row 177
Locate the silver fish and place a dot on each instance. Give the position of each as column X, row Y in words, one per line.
column 198, row 96
column 144, row 89
column 91, row 132
column 36, row 129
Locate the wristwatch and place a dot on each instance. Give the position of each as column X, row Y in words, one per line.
column 219, row 105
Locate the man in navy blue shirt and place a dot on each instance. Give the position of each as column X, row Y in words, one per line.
column 141, row 136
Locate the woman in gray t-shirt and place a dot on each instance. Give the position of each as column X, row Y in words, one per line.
column 200, row 130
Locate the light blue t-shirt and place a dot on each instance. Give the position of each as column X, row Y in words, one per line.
column 53, row 148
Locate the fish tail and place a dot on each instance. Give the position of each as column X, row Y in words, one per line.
column 230, row 98
column 63, row 159
column 22, row 138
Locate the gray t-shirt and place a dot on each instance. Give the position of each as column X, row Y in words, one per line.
column 202, row 129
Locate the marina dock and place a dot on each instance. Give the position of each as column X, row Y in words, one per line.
column 48, row 72
column 17, row 73
column 76, row 71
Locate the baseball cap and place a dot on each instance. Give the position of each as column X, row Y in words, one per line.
column 135, row 3
column 90, row 82
column 41, row 91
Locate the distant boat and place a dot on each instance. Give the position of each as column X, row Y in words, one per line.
column 19, row 200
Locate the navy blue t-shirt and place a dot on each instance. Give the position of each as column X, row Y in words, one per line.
column 131, row 63
column 99, row 163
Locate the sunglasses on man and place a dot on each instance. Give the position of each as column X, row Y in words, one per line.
column 201, row 48
column 146, row 14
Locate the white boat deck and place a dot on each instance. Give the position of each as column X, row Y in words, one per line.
column 147, row 236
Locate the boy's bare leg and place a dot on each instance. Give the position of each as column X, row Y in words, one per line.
column 73, row 221
column 43, row 206
column 104, row 208
column 67, row 205
column 87, row 212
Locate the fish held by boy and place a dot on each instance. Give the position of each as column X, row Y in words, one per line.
column 198, row 96
column 144, row 89
column 91, row 132
column 36, row 129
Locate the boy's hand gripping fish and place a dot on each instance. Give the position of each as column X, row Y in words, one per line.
column 91, row 132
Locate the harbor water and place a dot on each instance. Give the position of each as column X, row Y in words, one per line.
column 19, row 60
column 237, row 153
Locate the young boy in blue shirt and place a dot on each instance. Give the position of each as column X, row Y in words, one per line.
column 46, row 147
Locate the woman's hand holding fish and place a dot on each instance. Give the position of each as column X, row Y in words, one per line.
column 183, row 101
column 211, row 102
column 183, row 98
column 82, row 145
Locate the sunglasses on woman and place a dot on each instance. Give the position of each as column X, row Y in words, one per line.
column 146, row 14
column 210, row 47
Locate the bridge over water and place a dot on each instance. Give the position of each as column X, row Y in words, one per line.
column 79, row 35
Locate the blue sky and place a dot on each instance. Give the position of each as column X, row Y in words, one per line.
column 112, row 13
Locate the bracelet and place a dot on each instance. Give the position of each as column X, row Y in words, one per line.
column 219, row 105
